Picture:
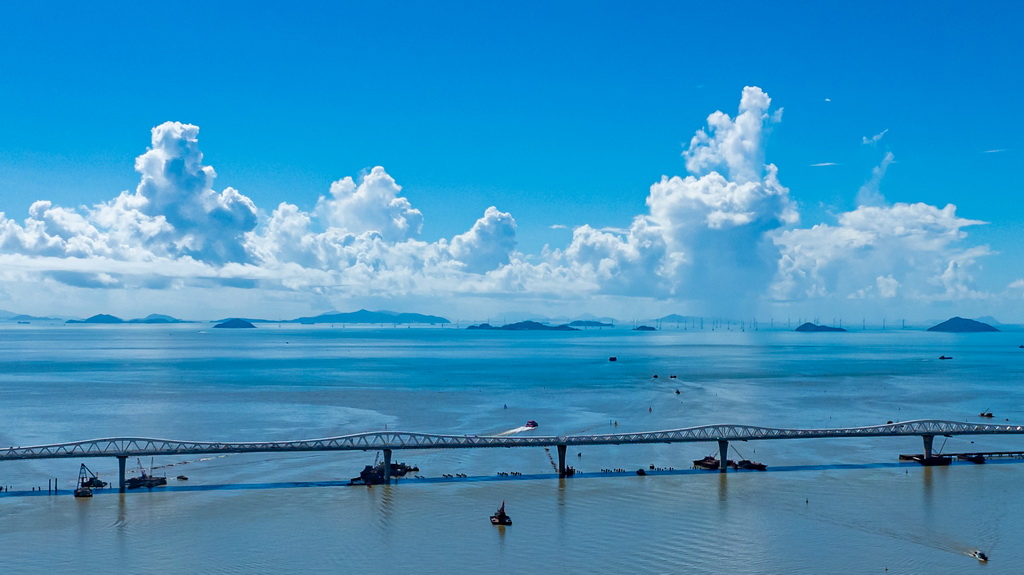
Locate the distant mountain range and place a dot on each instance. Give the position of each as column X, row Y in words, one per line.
column 11, row 316
column 151, row 318
column 365, row 316
column 357, row 317
column 586, row 321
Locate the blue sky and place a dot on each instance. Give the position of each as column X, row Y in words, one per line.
column 559, row 117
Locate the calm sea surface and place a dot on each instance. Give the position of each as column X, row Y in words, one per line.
column 824, row 506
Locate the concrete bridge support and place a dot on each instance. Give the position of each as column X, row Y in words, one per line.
column 120, row 471
column 723, row 454
column 387, row 467
column 928, row 440
column 561, row 460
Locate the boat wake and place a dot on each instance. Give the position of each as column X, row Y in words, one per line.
column 519, row 429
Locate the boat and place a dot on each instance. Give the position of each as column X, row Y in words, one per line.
column 985, row 414
column 374, row 474
column 945, row 357
column 979, row 556
column 144, row 479
column 972, row 457
column 748, row 464
column 86, row 481
column 531, row 424
column 86, row 478
column 933, row 460
column 710, row 463
column 500, row 517
column 182, row 478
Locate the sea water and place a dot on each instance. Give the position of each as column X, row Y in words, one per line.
column 823, row 506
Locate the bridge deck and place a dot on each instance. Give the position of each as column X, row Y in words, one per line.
column 395, row 440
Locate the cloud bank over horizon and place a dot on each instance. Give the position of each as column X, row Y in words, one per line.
column 723, row 239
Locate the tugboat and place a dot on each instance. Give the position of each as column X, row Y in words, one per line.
column 144, row 479
column 500, row 517
column 531, row 424
column 979, row 556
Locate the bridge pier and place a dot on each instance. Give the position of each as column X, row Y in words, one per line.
column 120, row 471
column 387, row 467
column 561, row 460
column 723, row 454
column 928, row 440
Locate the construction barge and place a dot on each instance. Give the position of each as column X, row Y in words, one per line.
column 972, row 457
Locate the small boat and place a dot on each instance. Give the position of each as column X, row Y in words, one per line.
column 972, row 457
column 500, row 517
column 183, row 478
column 945, row 357
column 979, row 556
column 83, row 492
column 531, row 424
column 985, row 414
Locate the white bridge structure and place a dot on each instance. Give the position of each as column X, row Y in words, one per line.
column 388, row 441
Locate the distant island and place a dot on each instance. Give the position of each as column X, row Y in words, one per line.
column 589, row 323
column 98, row 318
column 645, row 328
column 810, row 327
column 524, row 326
column 962, row 325
column 158, row 318
column 365, row 316
column 235, row 323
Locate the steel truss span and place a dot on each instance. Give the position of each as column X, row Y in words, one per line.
column 394, row 440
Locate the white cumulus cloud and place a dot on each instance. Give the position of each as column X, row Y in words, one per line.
column 723, row 237
column 919, row 248
column 372, row 206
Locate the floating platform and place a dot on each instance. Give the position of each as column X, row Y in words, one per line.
column 974, row 457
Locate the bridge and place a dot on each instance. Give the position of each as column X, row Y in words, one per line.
column 388, row 441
